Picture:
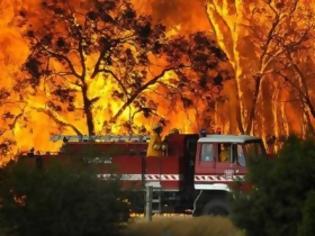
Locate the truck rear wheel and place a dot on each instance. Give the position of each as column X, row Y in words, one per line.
column 216, row 207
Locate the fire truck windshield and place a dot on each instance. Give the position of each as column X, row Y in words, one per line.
column 248, row 150
column 229, row 152
column 253, row 149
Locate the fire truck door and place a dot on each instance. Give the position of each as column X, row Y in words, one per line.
column 224, row 163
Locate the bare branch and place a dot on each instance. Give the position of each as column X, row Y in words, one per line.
column 94, row 100
column 98, row 63
column 16, row 119
column 271, row 31
column 82, row 59
column 65, row 58
column 55, row 117
column 302, row 80
column 140, row 90
column 107, row 71
column 65, row 75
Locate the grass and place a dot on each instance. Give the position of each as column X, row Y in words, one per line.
column 183, row 226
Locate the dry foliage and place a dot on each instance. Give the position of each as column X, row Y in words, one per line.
column 184, row 226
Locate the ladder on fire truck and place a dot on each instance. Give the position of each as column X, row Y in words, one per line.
column 100, row 138
column 157, row 200
column 153, row 201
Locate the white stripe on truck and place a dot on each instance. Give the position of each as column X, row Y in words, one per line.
column 217, row 178
column 138, row 177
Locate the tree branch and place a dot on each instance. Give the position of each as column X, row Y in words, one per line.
column 271, row 31
column 115, row 78
column 303, row 84
column 65, row 58
column 64, row 75
column 55, row 117
column 140, row 90
column 82, row 60
column 16, row 119
column 98, row 63
column 103, row 52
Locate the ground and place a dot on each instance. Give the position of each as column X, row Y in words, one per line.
column 182, row 225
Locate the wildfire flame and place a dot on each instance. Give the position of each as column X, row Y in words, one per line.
column 223, row 19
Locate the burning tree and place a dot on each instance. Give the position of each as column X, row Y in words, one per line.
column 99, row 61
column 269, row 46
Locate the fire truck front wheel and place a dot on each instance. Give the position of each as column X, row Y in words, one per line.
column 216, row 207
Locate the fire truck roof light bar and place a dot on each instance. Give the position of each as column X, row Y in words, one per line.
column 100, row 138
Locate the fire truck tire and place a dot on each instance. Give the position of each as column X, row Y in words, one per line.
column 216, row 207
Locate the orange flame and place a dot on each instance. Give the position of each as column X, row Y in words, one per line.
column 181, row 17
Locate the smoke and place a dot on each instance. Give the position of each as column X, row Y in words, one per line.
column 187, row 16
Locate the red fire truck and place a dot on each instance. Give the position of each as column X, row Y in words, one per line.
column 194, row 174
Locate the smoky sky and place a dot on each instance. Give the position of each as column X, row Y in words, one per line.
column 189, row 14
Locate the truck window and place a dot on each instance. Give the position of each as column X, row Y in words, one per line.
column 253, row 149
column 240, row 159
column 247, row 150
column 225, row 152
column 207, row 152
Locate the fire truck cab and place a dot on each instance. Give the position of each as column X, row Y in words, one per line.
column 221, row 160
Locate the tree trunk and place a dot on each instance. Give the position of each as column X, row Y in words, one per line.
column 303, row 87
column 227, row 38
column 253, row 109
column 307, row 104
column 87, row 111
column 275, row 112
column 240, row 108
column 284, row 119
